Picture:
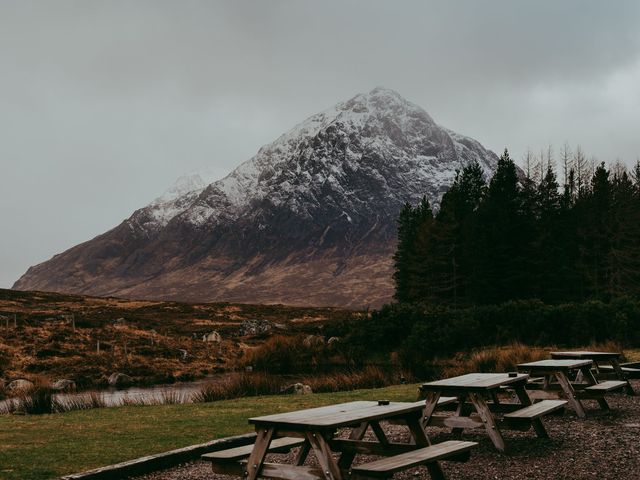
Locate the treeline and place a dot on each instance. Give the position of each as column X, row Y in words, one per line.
column 522, row 235
column 420, row 332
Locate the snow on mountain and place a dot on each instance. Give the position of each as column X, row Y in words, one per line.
column 314, row 210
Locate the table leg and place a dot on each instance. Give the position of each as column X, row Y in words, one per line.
column 487, row 418
column 461, row 411
column 377, row 429
column 323, row 454
column 431, row 403
column 570, row 394
column 346, row 459
column 302, row 454
column 421, row 440
column 621, row 375
column 259, row 452
column 418, row 434
column 591, row 380
column 525, row 400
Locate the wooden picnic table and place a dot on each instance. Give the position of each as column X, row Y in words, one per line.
column 480, row 392
column 601, row 371
column 317, row 427
column 561, row 370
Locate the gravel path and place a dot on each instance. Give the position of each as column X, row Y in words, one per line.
column 606, row 445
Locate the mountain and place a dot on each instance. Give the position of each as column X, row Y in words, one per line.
column 310, row 219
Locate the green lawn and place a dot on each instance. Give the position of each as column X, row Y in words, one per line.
column 48, row 446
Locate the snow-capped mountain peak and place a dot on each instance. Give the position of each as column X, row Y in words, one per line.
column 313, row 211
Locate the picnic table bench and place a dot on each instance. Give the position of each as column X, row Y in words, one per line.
column 315, row 430
column 561, row 371
column 479, row 392
column 613, row 371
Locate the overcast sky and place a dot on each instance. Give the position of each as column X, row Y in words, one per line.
column 104, row 104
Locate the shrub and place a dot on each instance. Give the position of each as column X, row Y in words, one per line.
column 284, row 354
column 493, row 359
column 36, row 401
column 243, row 385
column 369, row 377
column 422, row 333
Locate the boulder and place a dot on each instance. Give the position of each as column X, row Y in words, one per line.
column 333, row 341
column 20, row 385
column 254, row 327
column 213, row 337
column 183, row 353
column 297, row 389
column 64, row 385
column 119, row 380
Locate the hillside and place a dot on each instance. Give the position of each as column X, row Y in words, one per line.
column 309, row 220
column 146, row 340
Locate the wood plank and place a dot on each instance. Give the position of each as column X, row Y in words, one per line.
column 388, row 466
column 238, row 453
column 570, row 394
column 607, row 386
column 489, row 422
column 583, row 354
column 537, row 409
column 365, row 447
column 542, row 367
column 336, row 416
column 263, row 439
column 330, row 468
column 358, row 433
column 473, row 382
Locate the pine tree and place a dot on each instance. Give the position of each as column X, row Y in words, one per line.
column 503, row 236
column 402, row 257
column 623, row 258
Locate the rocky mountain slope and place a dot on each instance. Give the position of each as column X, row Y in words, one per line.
column 309, row 220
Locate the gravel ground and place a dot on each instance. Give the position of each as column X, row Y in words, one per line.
column 605, row 445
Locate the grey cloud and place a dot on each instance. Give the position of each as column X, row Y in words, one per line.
column 104, row 104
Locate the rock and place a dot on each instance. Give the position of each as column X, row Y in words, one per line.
column 183, row 353
column 333, row 341
column 64, row 385
column 297, row 389
column 20, row 385
column 312, row 341
column 214, row 337
column 255, row 326
column 119, row 321
column 119, row 380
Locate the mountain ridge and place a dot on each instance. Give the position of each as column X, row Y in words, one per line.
column 309, row 218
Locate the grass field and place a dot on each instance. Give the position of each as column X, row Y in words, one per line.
column 48, row 446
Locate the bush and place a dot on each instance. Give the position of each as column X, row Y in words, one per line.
column 236, row 386
column 37, row 400
column 281, row 354
column 422, row 333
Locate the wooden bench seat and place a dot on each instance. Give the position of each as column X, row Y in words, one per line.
column 607, row 386
column 279, row 445
column 386, row 467
column 537, row 410
column 629, row 372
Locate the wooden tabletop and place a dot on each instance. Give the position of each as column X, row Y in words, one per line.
column 546, row 365
column 586, row 354
column 336, row 416
column 474, row 381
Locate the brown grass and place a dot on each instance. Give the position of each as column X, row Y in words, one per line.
column 284, row 354
column 494, row 359
column 236, row 386
column 370, row 377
